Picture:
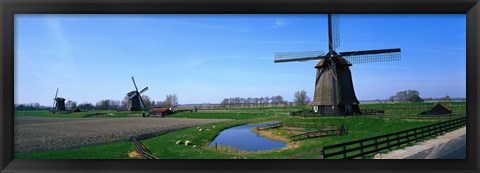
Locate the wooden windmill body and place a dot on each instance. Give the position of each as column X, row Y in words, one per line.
column 334, row 92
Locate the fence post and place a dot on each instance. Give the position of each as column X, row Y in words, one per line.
column 376, row 143
column 361, row 150
column 398, row 139
column 388, row 143
column 322, row 153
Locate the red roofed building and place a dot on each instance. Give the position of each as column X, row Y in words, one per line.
column 439, row 109
column 161, row 111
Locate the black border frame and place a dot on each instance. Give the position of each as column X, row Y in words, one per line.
column 10, row 7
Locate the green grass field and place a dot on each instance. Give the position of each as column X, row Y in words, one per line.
column 164, row 146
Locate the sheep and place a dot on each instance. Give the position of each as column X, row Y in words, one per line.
column 178, row 142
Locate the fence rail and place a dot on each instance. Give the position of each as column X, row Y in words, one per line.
column 142, row 150
column 373, row 111
column 418, row 107
column 339, row 130
column 447, row 116
column 322, row 130
column 270, row 126
column 363, row 147
column 308, row 124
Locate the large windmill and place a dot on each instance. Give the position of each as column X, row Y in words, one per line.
column 135, row 98
column 58, row 103
column 334, row 93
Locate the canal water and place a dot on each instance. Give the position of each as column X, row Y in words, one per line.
column 244, row 139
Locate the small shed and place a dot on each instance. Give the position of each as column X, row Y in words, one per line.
column 439, row 109
column 75, row 109
column 161, row 111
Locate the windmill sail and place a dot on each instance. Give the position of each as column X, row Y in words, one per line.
column 335, row 31
column 367, row 56
column 134, row 84
column 298, row 56
column 55, row 99
column 145, row 89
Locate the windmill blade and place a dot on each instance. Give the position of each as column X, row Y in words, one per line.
column 145, row 89
column 135, row 84
column 298, row 56
column 335, row 31
column 142, row 103
column 367, row 56
column 334, row 85
column 55, row 98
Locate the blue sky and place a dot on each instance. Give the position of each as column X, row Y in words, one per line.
column 205, row 58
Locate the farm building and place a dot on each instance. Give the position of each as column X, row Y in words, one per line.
column 161, row 111
column 439, row 109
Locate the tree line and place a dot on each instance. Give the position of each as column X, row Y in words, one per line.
column 406, row 96
column 107, row 104
column 300, row 99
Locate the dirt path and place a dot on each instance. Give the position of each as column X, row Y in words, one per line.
column 423, row 146
column 33, row 134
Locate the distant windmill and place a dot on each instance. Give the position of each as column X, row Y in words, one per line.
column 58, row 103
column 135, row 98
column 334, row 93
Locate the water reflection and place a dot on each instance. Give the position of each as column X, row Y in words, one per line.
column 244, row 139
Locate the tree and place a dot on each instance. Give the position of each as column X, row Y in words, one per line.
column 171, row 100
column 407, row 96
column 102, row 105
column 74, row 104
column 86, row 106
column 301, row 98
column 224, row 103
column 267, row 100
column 36, row 106
column 391, row 98
column 446, row 98
column 415, row 98
column 147, row 101
column 125, row 102
column 68, row 104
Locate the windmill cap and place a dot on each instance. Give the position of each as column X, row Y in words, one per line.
column 59, row 98
column 131, row 93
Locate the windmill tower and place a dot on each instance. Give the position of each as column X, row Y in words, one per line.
column 58, row 103
column 334, row 93
column 135, row 98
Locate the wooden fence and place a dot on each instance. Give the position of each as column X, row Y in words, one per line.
column 363, row 147
column 448, row 116
column 373, row 111
column 270, row 126
column 332, row 131
column 410, row 107
column 308, row 124
column 322, row 129
column 142, row 150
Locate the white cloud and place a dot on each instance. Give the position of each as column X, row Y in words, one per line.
column 280, row 22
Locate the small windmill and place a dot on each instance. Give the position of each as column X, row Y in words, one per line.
column 135, row 98
column 334, row 93
column 58, row 103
